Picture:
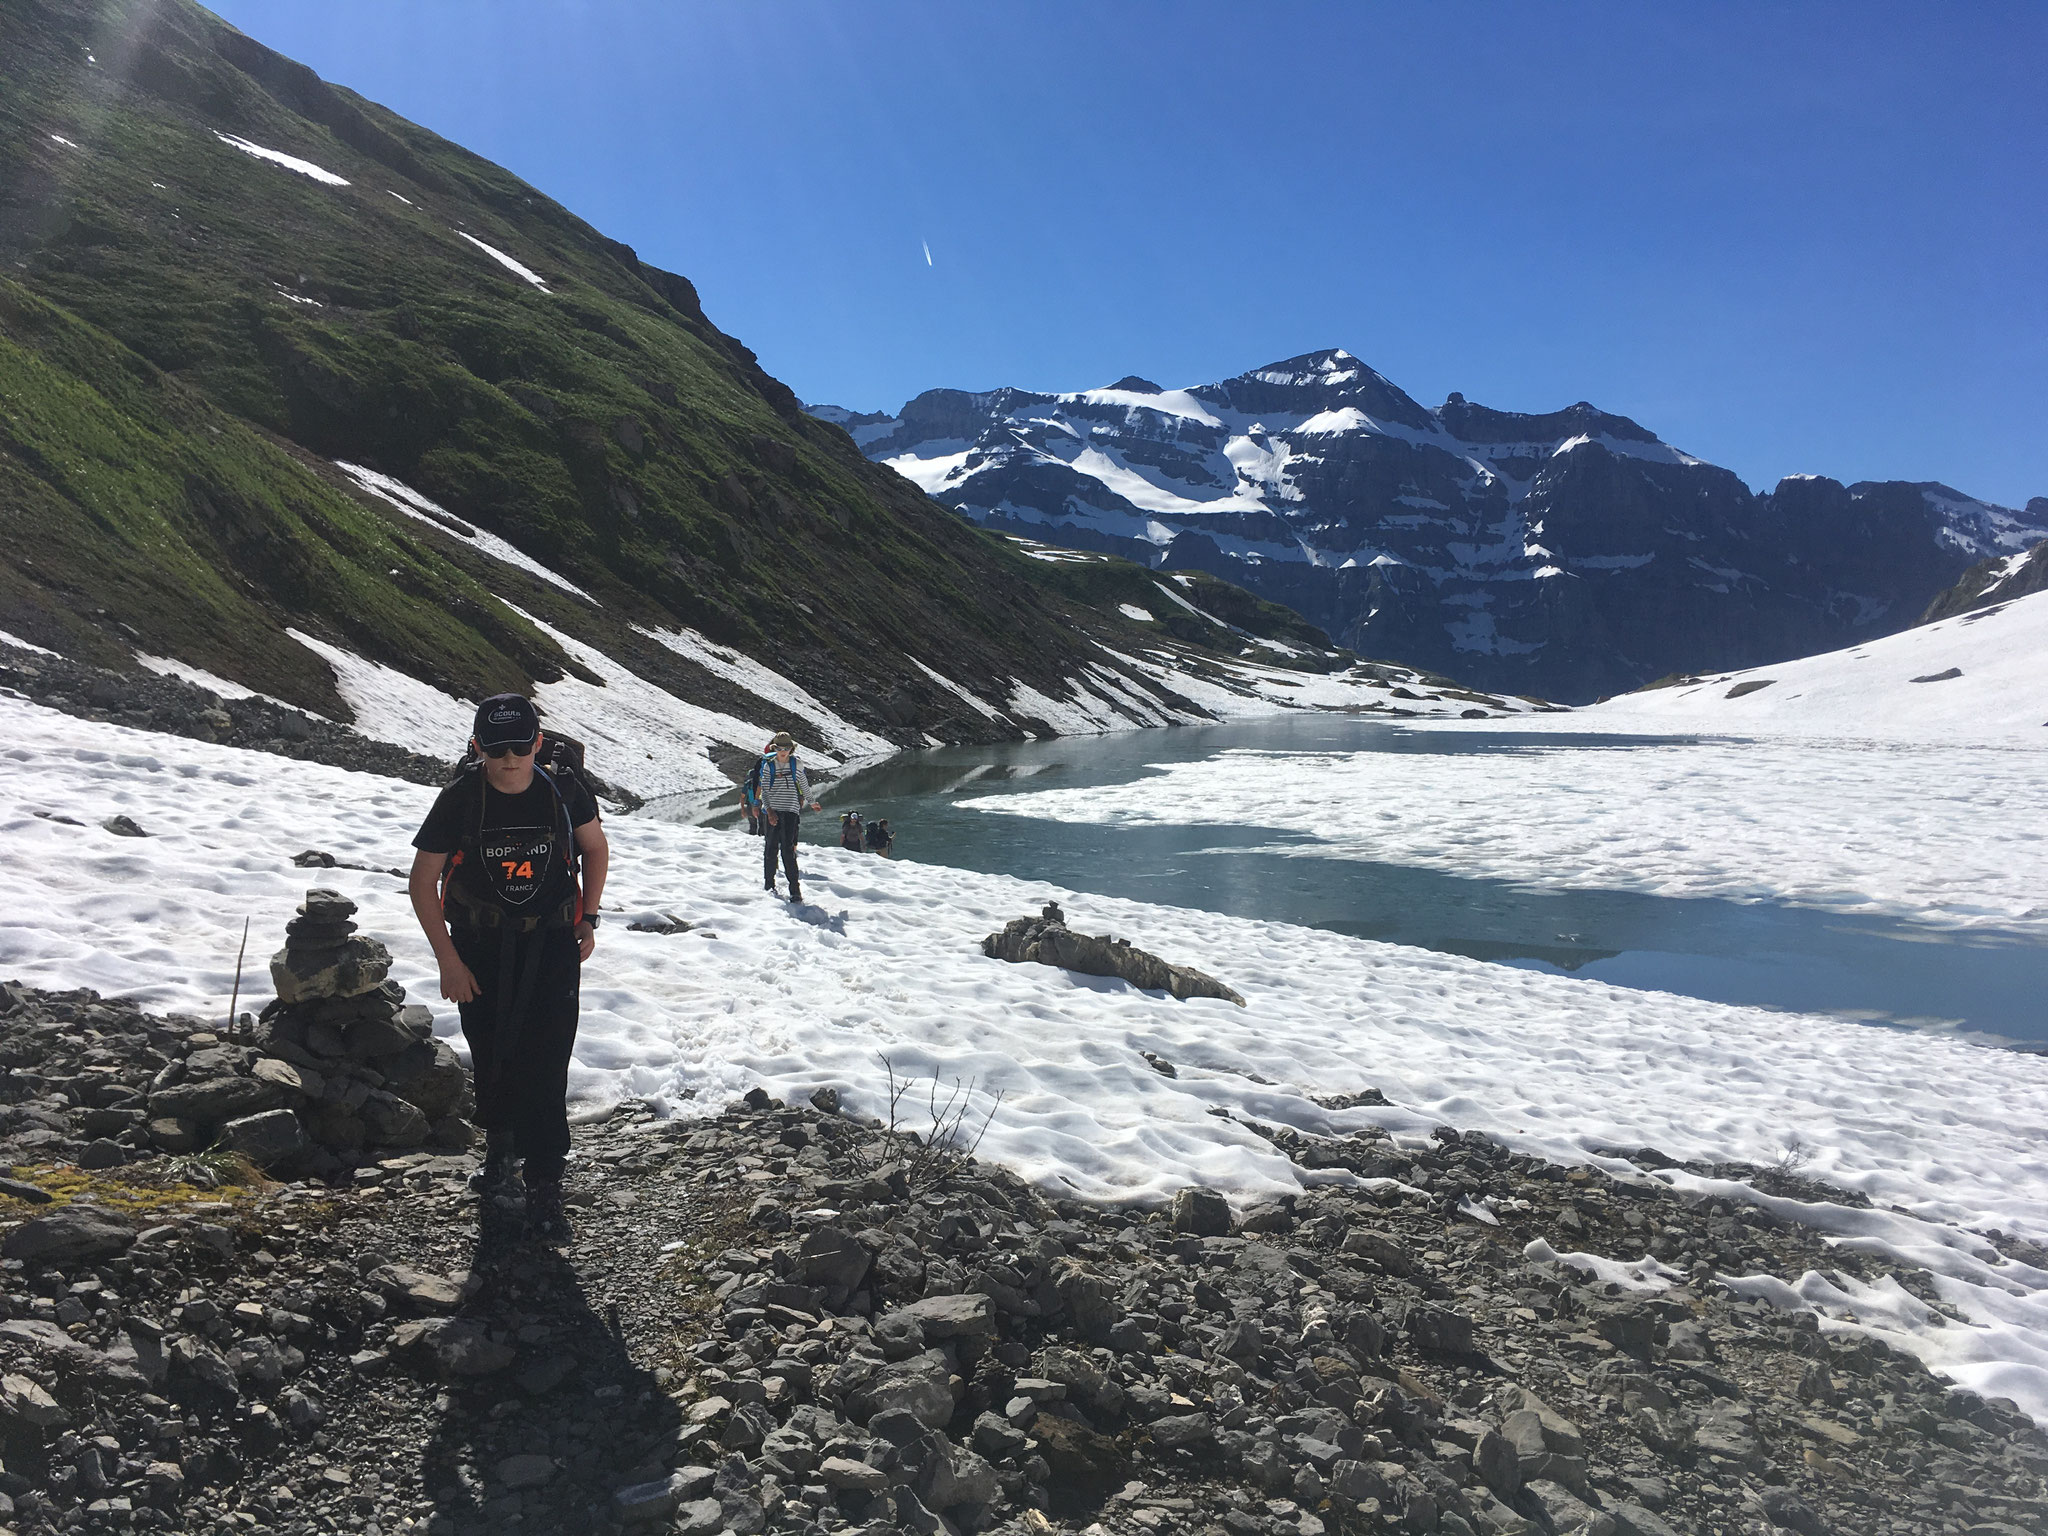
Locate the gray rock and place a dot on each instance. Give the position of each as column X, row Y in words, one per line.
column 102, row 1153
column 831, row 1257
column 358, row 965
column 898, row 1335
column 527, row 1470
column 953, row 1317
column 455, row 1346
column 1201, row 1213
column 415, row 1288
column 957, row 1476
column 212, row 1100
column 844, row 1472
column 1634, row 1520
column 73, row 1234
column 1090, row 1298
column 427, row 1074
column 644, row 1502
column 699, row 1517
column 1181, row 1430
column 1437, row 1330
column 1568, row 1512
column 23, row 1401
column 200, row 1361
column 388, row 1121
column 303, row 1081
column 272, row 1139
column 996, row 1436
column 379, row 1035
column 1498, row 1464
column 173, row 1133
column 919, row 1386
column 1380, row 1248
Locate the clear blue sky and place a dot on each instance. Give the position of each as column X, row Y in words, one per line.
column 1786, row 237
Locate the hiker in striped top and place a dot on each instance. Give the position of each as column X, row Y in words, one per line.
column 785, row 795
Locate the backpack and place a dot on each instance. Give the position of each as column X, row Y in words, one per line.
column 850, row 834
column 559, row 762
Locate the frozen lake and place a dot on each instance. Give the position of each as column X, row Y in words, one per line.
column 1278, row 820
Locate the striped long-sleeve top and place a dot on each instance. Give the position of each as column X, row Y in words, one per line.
column 784, row 789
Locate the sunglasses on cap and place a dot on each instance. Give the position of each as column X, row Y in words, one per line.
column 515, row 750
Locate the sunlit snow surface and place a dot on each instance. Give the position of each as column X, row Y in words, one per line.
column 289, row 162
column 1871, row 690
column 887, row 961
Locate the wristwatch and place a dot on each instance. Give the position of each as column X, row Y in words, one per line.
column 591, row 918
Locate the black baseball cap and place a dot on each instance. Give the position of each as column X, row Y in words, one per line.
column 505, row 720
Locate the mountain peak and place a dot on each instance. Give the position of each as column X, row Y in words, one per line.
column 1131, row 384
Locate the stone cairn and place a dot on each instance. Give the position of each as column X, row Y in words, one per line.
column 337, row 1071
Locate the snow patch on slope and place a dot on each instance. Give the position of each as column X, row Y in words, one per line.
column 409, row 501
column 325, row 177
column 508, row 263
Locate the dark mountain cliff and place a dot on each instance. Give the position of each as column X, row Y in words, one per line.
column 1570, row 554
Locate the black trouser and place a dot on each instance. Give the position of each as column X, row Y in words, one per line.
column 781, row 836
column 520, row 1055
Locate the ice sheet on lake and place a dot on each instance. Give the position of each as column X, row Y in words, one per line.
column 887, row 962
column 1949, row 836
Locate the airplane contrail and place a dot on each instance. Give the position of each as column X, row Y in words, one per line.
column 927, row 251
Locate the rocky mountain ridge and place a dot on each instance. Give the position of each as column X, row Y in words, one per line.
column 1571, row 554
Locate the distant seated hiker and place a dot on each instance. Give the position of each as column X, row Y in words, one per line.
column 880, row 838
column 851, row 832
column 785, row 794
column 510, row 864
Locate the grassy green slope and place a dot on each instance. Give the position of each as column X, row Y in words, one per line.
column 190, row 334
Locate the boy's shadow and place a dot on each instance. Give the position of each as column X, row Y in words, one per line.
column 542, row 1445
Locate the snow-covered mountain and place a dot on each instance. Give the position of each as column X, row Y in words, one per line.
column 1571, row 554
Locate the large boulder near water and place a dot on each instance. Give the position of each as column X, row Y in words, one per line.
column 1048, row 940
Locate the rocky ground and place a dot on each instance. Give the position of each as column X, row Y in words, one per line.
column 781, row 1318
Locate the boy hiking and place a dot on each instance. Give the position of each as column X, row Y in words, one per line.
column 785, row 794
column 511, row 927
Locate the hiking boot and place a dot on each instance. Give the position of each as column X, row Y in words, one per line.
column 795, row 896
column 769, row 886
column 494, row 1180
column 545, row 1217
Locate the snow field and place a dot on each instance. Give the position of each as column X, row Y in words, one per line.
column 1949, row 836
column 1870, row 690
column 886, row 962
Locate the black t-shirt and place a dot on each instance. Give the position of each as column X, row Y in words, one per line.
column 519, row 859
